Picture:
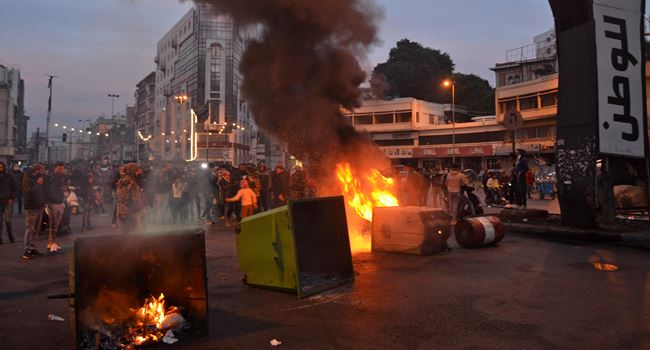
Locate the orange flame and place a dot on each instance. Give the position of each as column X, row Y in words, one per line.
column 377, row 191
column 362, row 194
column 149, row 320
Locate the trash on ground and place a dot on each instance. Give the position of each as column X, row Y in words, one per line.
column 275, row 342
column 603, row 266
column 169, row 338
column 52, row 317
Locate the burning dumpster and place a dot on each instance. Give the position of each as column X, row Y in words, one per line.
column 410, row 230
column 302, row 247
column 128, row 291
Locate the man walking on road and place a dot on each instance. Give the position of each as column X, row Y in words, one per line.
column 54, row 198
column 455, row 181
column 34, row 198
column 7, row 190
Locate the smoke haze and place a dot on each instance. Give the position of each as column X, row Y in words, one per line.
column 302, row 68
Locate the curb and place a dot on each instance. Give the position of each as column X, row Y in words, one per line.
column 637, row 239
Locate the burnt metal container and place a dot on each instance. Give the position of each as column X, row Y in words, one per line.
column 111, row 274
column 410, row 230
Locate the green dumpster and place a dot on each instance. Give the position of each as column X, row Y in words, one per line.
column 302, row 247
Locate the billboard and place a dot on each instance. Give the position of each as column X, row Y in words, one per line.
column 620, row 62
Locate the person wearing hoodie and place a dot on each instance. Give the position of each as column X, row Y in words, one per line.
column 128, row 196
column 454, row 182
column 34, row 201
column 53, row 188
column 7, row 190
column 521, row 168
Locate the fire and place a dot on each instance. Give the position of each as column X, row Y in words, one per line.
column 377, row 191
column 362, row 194
column 150, row 319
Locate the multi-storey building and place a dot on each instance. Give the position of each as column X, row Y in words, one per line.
column 197, row 68
column 421, row 134
column 146, row 123
column 13, row 122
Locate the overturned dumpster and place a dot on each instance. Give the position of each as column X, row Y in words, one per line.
column 302, row 247
column 410, row 230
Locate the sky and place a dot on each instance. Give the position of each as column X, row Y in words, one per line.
column 103, row 47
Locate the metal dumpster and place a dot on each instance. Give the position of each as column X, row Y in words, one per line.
column 410, row 230
column 302, row 247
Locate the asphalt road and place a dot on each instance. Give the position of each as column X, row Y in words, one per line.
column 525, row 293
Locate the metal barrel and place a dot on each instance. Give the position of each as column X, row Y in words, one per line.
column 479, row 231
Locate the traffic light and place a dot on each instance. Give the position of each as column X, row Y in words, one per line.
column 64, row 137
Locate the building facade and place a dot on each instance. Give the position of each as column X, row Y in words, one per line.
column 13, row 122
column 146, row 123
column 197, row 69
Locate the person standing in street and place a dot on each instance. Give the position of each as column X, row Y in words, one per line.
column 280, row 186
column 264, row 186
column 7, row 190
column 436, row 188
column 128, row 195
column 34, row 196
column 54, row 206
column 521, row 168
column 454, row 182
column 87, row 193
column 247, row 197
column 17, row 175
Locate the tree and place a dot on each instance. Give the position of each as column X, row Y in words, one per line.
column 475, row 93
column 413, row 70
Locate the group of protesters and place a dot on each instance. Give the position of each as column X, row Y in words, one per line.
column 135, row 195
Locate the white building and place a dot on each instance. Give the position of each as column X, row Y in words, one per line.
column 13, row 122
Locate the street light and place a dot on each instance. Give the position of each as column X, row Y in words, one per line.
column 450, row 83
column 113, row 97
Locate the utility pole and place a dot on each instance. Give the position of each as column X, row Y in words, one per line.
column 38, row 141
column 112, row 136
column 49, row 116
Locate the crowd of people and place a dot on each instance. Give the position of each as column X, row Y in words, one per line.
column 134, row 195
column 443, row 188
column 168, row 194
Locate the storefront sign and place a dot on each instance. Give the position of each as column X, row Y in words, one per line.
column 621, row 123
column 398, row 152
column 463, row 151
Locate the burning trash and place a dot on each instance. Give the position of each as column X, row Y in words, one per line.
column 363, row 193
column 151, row 323
column 138, row 291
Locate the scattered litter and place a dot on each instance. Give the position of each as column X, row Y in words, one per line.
column 169, row 338
column 275, row 342
column 525, row 220
column 603, row 266
column 173, row 321
column 52, row 317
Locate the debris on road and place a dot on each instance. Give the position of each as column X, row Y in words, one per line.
column 56, row 318
column 275, row 342
column 605, row 267
column 169, row 338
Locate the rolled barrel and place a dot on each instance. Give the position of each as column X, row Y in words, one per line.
column 479, row 231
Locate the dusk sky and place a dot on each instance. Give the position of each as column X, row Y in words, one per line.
column 107, row 46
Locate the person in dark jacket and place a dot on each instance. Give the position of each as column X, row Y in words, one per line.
column 87, row 194
column 34, row 201
column 18, row 183
column 265, row 187
column 521, row 168
column 280, row 185
column 7, row 190
column 54, row 206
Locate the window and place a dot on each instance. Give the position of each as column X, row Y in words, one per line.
column 363, row 119
column 549, row 99
column 404, row 117
column 384, row 118
column 526, row 103
column 507, row 105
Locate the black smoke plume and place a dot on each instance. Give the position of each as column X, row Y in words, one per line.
column 302, row 68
